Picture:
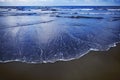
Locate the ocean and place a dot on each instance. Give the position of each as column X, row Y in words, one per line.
column 42, row 34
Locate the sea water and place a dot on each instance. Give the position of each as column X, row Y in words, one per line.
column 41, row 34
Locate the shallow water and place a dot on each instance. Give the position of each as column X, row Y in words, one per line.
column 52, row 34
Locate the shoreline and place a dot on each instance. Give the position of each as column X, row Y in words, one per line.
column 65, row 60
column 101, row 65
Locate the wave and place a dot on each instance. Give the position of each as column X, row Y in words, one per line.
column 19, row 14
column 115, row 19
column 39, row 12
column 24, row 60
column 27, row 24
column 113, row 9
column 79, row 17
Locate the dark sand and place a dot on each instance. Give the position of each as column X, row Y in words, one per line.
column 93, row 66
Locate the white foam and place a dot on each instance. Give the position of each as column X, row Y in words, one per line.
column 113, row 9
column 89, row 9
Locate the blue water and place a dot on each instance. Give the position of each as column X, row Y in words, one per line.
column 41, row 34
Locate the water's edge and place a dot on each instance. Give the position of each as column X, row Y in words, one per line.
column 57, row 60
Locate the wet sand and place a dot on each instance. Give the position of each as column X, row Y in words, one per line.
column 93, row 66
